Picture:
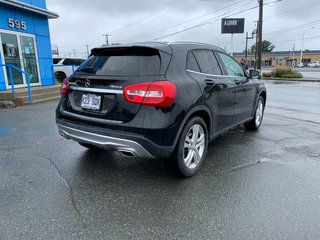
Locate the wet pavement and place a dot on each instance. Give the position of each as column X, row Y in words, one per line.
column 309, row 72
column 254, row 185
column 297, row 96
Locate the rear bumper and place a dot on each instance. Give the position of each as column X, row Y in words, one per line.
column 114, row 141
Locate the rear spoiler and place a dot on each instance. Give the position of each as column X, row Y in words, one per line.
column 149, row 49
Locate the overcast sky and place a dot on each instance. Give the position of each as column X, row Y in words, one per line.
column 84, row 22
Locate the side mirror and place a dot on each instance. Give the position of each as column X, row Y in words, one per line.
column 254, row 74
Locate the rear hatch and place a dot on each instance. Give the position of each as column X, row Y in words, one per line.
column 96, row 88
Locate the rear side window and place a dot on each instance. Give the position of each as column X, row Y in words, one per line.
column 192, row 63
column 56, row 60
column 73, row 61
column 131, row 61
column 67, row 61
column 78, row 62
column 232, row 66
column 208, row 62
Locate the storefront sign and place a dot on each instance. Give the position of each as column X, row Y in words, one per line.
column 18, row 24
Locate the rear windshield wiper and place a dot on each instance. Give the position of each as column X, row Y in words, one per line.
column 87, row 69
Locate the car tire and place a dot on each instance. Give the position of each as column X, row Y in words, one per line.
column 60, row 76
column 90, row 147
column 191, row 148
column 255, row 123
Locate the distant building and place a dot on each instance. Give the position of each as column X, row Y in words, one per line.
column 25, row 42
column 284, row 58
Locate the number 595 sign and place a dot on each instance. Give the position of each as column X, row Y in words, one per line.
column 14, row 23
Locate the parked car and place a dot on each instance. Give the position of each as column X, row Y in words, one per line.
column 156, row 100
column 300, row 65
column 64, row 67
column 314, row 64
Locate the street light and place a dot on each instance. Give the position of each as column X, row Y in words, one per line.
column 304, row 33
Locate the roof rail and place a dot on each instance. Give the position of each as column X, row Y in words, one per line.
column 198, row 43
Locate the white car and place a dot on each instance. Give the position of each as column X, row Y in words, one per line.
column 314, row 64
column 64, row 67
column 300, row 65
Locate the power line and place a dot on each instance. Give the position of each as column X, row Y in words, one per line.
column 295, row 27
column 213, row 20
column 190, row 20
column 306, row 7
column 158, row 14
column 297, row 39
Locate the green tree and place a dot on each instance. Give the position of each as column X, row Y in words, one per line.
column 267, row 46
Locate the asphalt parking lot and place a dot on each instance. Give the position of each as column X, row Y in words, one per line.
column 254, row 185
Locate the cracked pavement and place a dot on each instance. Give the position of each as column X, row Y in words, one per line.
column 254, row 185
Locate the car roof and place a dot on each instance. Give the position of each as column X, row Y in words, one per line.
column 162, row 46
column 198, row 45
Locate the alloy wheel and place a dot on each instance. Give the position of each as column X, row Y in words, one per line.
column 194, row 146
column 259, row 113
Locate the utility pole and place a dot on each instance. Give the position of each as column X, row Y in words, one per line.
column 303, row 35
column 87, row 49
column 293, row 52
column 107, row 38
column 74, row 52
column 247, row 38
column 256, row 50
column 231, row 53
column 259, row 47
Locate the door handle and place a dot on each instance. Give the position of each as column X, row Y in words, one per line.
column 237, row 82
column 209, row 82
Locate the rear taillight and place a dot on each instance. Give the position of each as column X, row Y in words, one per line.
column 157, row 94
column 64, row 86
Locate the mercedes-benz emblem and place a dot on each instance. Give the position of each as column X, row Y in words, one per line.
column 87, row 83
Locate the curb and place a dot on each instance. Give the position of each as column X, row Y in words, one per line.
column 292, row 79
column 7, row 104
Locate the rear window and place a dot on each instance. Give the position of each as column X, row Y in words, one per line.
column 130, row 61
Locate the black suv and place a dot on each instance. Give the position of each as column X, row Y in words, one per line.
column 159, row 100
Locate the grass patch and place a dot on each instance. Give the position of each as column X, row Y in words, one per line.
column 283, row 72
column 292, row 75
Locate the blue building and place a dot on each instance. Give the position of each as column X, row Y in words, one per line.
column 25, row 42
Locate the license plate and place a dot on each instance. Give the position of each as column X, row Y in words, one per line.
column 91, row 101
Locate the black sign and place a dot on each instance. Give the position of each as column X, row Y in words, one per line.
column 232, row 25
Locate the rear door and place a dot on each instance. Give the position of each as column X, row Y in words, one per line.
column 217, row 89
column 96, row 88
column 245, row 91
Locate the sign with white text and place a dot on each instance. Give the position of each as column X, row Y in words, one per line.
column 232, row 25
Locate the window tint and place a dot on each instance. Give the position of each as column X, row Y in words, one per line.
column 124, row 62
column 192, row 63
column 67, row 61
column 232, row 66
column 78, row 62
column 56, row 60
column 207, row 62
column 73, row 61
